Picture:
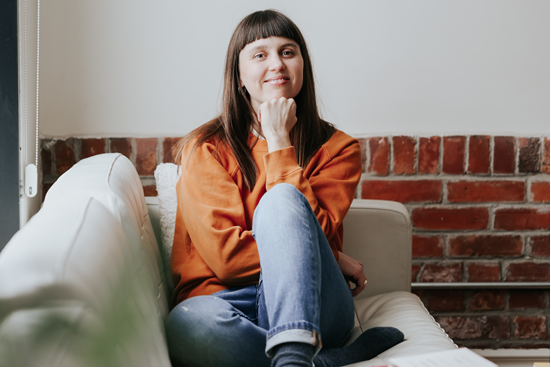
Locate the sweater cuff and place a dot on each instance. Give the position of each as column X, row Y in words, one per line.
column 280, row 163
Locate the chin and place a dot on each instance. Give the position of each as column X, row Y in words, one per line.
column 279, row 95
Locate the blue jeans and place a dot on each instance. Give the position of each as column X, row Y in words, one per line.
column 302, row 295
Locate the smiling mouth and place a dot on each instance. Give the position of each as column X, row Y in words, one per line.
column 278, row 80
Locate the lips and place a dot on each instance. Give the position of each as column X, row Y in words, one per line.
column 280, row 79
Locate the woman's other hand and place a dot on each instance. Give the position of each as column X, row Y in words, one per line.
column 353, row 271
column 277, row 117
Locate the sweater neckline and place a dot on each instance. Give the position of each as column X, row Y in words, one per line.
column 257, row 143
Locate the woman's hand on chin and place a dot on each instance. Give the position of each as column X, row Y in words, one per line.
column 353, row 271
column 277, row 117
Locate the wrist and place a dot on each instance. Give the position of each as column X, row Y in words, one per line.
column 277, row 143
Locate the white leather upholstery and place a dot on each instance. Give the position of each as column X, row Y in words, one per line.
column 112, row 179
column 405, row 312
column 378, row 234
column 80, row 283
column 71, row 293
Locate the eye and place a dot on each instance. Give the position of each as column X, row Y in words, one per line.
column 288, row 53
column 259, row 56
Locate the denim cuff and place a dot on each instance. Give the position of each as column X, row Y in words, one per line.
column 301, row 331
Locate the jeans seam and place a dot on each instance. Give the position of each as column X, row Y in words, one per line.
column 258, row 296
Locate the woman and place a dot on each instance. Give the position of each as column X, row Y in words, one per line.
column 257, row 259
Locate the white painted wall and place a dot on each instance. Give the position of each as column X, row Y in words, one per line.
column 154, row 68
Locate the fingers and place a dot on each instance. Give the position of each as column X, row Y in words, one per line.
column 360, row 286
column 277, row 115
column 360, row 283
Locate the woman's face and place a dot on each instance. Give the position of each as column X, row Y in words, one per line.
column 271, row 68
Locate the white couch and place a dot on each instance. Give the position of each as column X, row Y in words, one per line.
column 84, row 282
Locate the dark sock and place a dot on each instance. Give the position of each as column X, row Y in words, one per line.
column 293, row 354
column 367, row 346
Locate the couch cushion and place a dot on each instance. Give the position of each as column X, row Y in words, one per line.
column 71, row 292
column 407, row 313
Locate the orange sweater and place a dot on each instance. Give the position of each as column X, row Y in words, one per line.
column 213, row 245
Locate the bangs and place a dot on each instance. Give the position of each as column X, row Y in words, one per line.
column 264, row 24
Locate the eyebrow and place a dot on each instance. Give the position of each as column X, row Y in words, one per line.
column 260, row 47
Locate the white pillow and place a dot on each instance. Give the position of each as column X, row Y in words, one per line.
column 166, row 176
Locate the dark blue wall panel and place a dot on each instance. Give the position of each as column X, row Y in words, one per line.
column 9, row 123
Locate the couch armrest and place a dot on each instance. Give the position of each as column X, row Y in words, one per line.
column 378, row 234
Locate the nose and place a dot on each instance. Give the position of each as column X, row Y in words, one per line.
column 276, row 64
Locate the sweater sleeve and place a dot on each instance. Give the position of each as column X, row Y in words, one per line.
column 214, row 216
column 331, row 187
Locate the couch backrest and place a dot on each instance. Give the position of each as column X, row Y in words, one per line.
column 80, row 284
column 112, row 179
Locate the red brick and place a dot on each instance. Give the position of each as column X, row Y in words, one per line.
column 529, row 155
column 92, row 147
column 527, row 271
column 466, row 328
column 504, row 155
column 521, row 219
column 404, row 191
column 445, row 272
column 150, row 190
column 486, row 191
column 414, row 272
column 479, row 154
column 487, row 300
column 363, row 147
column 526, row 299
column 427, row 246
column 121, row 145
column 454, row 155
column 429, row 150
column 530, row 327
column 486, row 245
column 378, row 155
column 473, row 218
column 539, row 245
column 64, row 156
column 146, row 157
column 404, row 155
column 46, row 156
column 446, row 300
column 169, row 143
column 545, row 161
column 419, row 292
column 539, row 192
column 483, row 272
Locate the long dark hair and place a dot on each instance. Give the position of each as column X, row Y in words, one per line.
column 233, row 126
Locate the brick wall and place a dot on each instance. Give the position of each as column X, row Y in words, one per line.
column 58, row 155
column 480, row 212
